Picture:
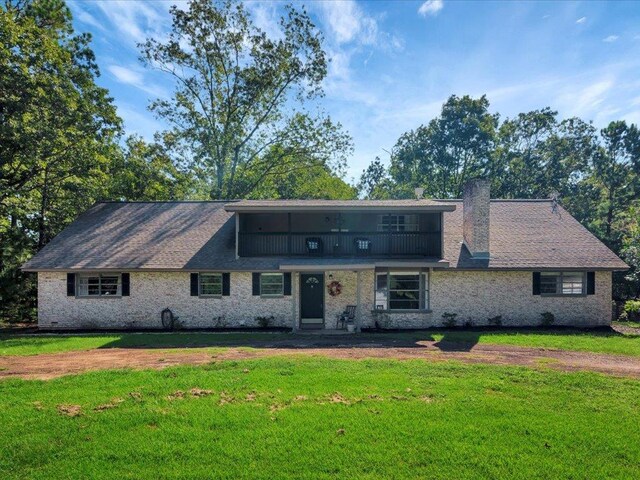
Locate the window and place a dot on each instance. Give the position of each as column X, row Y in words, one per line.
column 562, row 283
column 271, row 284
column 398, row 223
column 99, row 285
column 210, row 284
column 402, row 291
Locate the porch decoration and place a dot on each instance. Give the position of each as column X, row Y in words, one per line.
column 334, row 288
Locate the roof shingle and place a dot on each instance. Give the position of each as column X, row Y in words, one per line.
column 201, row 236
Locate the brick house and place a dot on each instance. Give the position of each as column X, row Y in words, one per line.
column 401, row 263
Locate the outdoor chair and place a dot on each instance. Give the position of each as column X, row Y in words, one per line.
column 314, row 245
column 348, row 315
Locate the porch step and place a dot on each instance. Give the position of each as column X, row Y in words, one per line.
column 323, row 332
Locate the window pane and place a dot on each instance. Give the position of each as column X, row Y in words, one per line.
column 210, row 284
column 381, row 291
column 404, row 305
column 89, row 286
column 109, row 285
column 549, row 282
column 271, row 284
column 572, row 283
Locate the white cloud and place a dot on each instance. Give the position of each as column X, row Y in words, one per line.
column 349, row 23
column 136, row 20
column 88, row 19
column 611, row 38
column 431, row 7
column 135, row 77
column 581, row 20
column 266, row 18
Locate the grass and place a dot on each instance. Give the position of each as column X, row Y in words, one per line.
column 628, row 324
column 595, row 341
column 306, row 417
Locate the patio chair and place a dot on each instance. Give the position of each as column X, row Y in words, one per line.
column 348, row 315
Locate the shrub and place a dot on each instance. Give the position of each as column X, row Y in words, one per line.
column 264, row 322
column 624, row 317
column 468, row 323
column 548, row 319
column 449, row 319
column 632, row 309
column 495, row 321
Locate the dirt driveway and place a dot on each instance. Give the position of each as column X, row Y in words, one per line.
column 49, row 366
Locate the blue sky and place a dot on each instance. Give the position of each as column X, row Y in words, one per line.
column 394, row 63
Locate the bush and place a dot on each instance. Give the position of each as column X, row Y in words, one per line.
column 468, row 323
column 495, row 321
column 449, row 319
column 632, row 309
column 624, row 317
column 264, row 322
column 548, row 319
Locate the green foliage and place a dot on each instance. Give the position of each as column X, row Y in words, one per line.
column 373, row 416
column 548, row 319
column 238, row 111
column 632, row 310
column 495, row 321
column 264, row 321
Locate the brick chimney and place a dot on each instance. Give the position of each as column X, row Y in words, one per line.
column 475, row 217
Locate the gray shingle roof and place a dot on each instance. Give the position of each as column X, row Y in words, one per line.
column 201, row 236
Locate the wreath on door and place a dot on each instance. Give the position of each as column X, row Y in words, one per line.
column 334, row 288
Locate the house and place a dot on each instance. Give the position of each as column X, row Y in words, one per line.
column 402, row 263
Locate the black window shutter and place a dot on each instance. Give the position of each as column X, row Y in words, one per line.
column 126, row 287
column 287, row 283
column 194, row 284
column 591, row 283
column 71, row 284
column 536, row 283
column 255, row 281
column 226, row 284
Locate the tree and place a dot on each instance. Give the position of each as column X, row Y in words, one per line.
column 238, row 112
column 374, row 182
column 451, row 149
column 144, row 171
column 58, row 132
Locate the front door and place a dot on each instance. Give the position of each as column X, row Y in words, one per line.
column 311, row 300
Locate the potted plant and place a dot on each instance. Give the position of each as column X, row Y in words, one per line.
column 351, row 327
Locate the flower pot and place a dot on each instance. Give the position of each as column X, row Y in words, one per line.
column 351, row 327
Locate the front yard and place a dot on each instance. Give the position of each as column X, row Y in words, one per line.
column 281, row 413
column 322, row 418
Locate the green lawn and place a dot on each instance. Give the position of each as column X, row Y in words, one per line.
column 308, row 417
column 600, row 342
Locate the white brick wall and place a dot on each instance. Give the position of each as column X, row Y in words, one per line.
column 474, row 296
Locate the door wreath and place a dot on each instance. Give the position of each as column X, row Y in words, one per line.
column 334, row 288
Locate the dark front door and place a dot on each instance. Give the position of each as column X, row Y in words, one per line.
column 311, row 300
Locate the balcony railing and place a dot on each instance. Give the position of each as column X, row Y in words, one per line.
column 341, row 244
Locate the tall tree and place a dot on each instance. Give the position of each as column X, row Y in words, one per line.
column 453, row 147
column 58, row 132
column 238, row 110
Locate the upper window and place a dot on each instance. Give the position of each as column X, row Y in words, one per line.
column 271, row 284
column 562, row 283
column 99, row 285
column 398, row 223
column 210, row 284
column 402, row 291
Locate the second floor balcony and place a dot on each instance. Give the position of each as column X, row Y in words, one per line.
column 340, row 234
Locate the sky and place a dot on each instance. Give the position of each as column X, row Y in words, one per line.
column 394, row 63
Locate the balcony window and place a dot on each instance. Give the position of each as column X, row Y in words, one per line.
column 99, row 285
column 402, row 291
column 398, row 223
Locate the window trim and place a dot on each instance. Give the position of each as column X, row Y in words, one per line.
column 424, row 291
column 561, row 274
column 272, row 295
column 79, row 276
column 210, row 295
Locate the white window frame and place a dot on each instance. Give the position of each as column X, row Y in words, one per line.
column 383, row 297
column 201, row 283
column 560, row 284
column 392, row 222
column 80, row 277
column 272, row 275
